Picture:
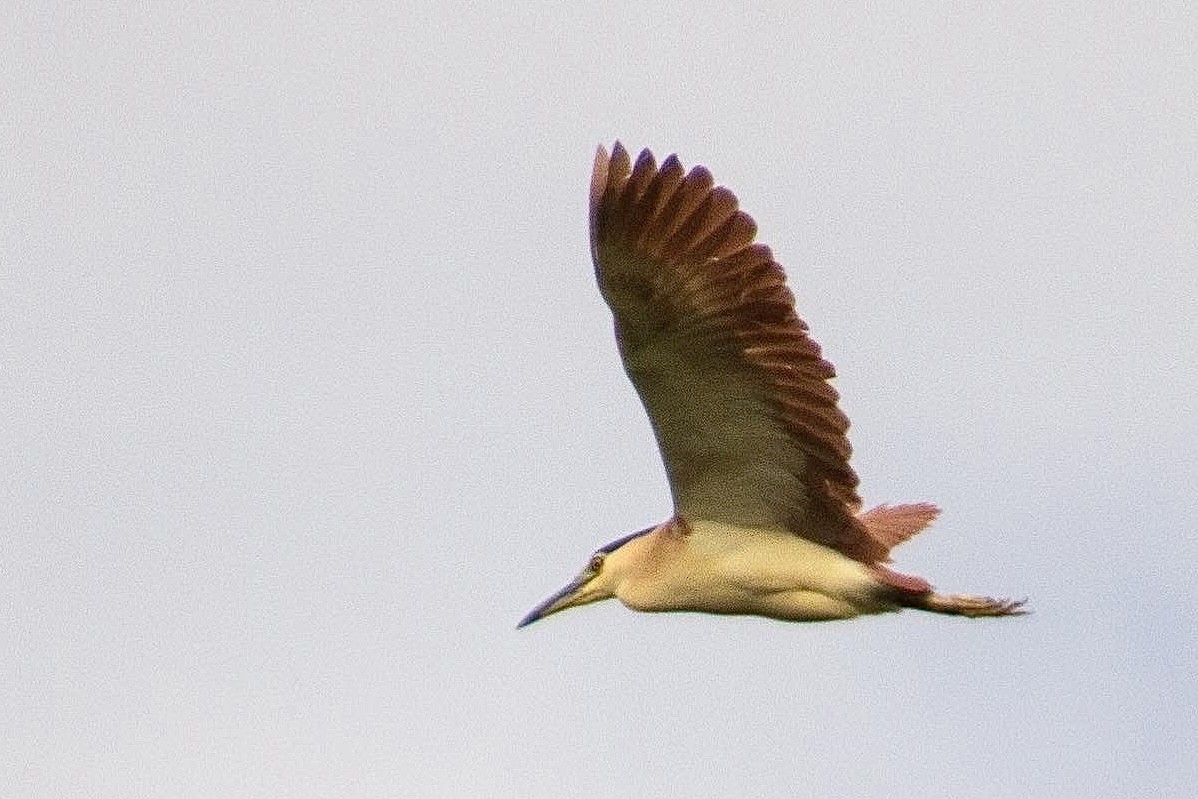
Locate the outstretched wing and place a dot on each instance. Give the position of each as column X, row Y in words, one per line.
column 736, row 390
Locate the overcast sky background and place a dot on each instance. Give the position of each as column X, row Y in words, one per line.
column 308, row 396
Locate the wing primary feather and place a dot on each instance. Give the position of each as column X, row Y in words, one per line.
column 599, row 172
column 733, row 235
column 717, row 207
column 617, row 177
column 689, row 194
column 655, row 199
column 643, row 172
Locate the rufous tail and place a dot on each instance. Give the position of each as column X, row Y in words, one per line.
column 891, row 525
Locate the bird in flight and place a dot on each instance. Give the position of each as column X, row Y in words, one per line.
column 767, row 519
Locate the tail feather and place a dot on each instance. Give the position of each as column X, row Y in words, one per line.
column 891, row 525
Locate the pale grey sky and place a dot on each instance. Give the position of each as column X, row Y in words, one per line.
column 308, row 396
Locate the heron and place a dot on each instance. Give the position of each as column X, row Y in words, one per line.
column 767, row 518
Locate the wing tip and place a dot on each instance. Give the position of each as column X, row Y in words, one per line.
column 599, row 177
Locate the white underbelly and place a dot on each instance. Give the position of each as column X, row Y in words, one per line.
column 723, row 568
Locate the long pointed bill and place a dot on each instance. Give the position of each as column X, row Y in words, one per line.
column 565, row 598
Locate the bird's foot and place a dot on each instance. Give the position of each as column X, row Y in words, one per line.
column 964, row 605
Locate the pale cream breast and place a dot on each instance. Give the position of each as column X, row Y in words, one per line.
column 722, row 568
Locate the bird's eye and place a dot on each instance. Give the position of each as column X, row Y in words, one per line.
column 596, row 564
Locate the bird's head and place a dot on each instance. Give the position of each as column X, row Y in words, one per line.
column 598, row 580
